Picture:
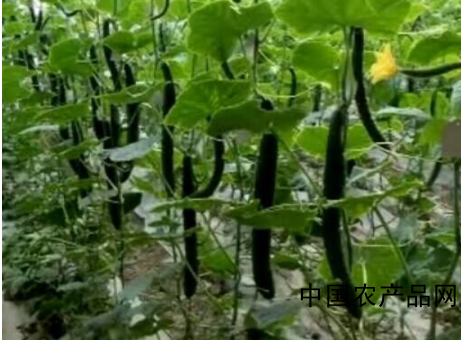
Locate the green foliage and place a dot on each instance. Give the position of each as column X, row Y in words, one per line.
column 204, row 98
column 318, row 60
column 375, row 15
column 429, row 48
column 216, row 28
column 251, row 117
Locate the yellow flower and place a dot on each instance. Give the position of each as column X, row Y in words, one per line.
column 385, row 66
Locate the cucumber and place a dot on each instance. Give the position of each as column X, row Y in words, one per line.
column 114, row 205
column 431, row 72
column 219, row 166
column 334, row 179
column 167, row 152
column 133, row 123
column 100, row 127
column 435, row 172
column 108, row 54
column 189, row 222
column 360, row 95
column 264, row 192
column 293, row 89
column 133, row 116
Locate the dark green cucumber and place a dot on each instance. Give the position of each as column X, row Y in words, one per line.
column 264, row 192
column 108, row 54
column 219, row 151
column 431, row 72
column 133, row 116
column 226, row 69
column 78, row 164
column 114, row 205
column 133, row 124
column 189, row 222
column 334, row 180
column 434, row 175
column 167, row 152
column 360, row 95
column 100, row 127
column 64, row 130
column 293, row 90
column 58, row 98
column 115, row 125
column 317, row 98
column 31, row 66
column 219, row 166
column 75, row 133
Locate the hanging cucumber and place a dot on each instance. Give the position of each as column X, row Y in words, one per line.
column 109, row 131
column 189, row 222
column 133, row 116
column 219, row 151
column 114, row 205
column 293, row 89
column 360, row 95
column 219, row 166
column 434, row 175
column 431, row 72
column 317, row 98
column 101, row 127
column 63, row 130
column 59, row 98
column 264, row 191
column 78, row 164
column 133, row 124
column 167, row 152
column 108, row 54
column 334, row 179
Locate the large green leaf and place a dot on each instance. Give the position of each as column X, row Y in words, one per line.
column 433, row 131
column 318, row 60
column 313, row 140
column 64, row 57
column 378, row 265
column 126, row 41
column 309, row 16
column 288, row 216
column 204, row 98
column 216, row 27
column 113, row 6
column 253, row 17
column 249, row 116
column 65, row 114
column 358, row 141
column 14, row 83
column 429, row 48
column 132, row 94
